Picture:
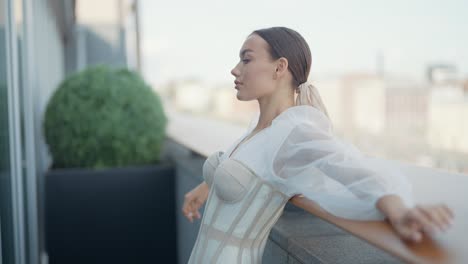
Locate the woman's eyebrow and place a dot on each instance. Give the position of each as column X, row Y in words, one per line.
column 245, row 51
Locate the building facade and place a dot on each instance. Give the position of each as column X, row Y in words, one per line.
column 41, row 42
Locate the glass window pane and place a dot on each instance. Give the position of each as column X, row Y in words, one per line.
column 6, row 224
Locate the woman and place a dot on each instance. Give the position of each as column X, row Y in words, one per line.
column 289, row 153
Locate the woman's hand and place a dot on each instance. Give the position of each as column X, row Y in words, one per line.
column 411, row 223
column 194, row 200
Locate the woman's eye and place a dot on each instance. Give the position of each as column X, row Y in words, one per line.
column 245, row 61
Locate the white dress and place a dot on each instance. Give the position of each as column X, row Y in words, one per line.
column 297, row 154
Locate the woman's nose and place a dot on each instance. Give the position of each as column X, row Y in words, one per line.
column 235, row 72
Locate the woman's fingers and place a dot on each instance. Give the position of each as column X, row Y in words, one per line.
column 448, row 214
column 413, row 222
column 430, row 218
column 435, row 216
column 190, row 216
column 409, row 231
column 419, row 216
column 439, row 215
column 193, row 200
column 445, row 219
column 190, row 207
column 187, row 208
column 190, row 213
column 448, row 211
column 187, row 212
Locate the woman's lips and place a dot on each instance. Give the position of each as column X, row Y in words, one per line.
column 237, row 83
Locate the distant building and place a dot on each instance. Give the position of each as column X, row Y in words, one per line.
column 465, row 86
column 331, row 91
column 448, row 118
column 193, row 96
column 406, row 109
column 441, row 73
column 370, row 104
column 104, row 31
column 362, row 103
column 374, row 112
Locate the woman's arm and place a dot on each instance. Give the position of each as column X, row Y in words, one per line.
column 311, row 207
column 408, row 223
column 411, row 223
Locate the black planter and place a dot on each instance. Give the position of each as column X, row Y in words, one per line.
column 121, row 215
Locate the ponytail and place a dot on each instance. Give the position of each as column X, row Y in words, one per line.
column 307, row 94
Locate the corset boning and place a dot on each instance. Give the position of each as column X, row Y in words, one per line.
column 240, row 211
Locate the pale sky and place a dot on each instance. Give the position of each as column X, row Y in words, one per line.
column 201, row 39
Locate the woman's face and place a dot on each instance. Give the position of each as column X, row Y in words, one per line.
column 255, row 71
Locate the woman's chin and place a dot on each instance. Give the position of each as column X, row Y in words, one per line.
column 241, row 97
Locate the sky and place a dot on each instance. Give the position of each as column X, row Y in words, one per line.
column 201, row 39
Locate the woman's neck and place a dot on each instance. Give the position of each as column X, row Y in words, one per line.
column 269, row 111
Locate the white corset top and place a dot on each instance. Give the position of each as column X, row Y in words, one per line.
column 240, row 211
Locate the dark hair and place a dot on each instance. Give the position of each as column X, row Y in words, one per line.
column 287, row 43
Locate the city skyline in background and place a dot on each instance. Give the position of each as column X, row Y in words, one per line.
column 393, row 75
column 201, row 40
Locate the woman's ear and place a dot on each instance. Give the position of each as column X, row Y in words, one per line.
column 281, row 66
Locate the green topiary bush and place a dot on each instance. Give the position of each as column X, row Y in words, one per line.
column 104, row 117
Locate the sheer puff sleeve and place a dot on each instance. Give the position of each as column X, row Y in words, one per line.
column 313, row 162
